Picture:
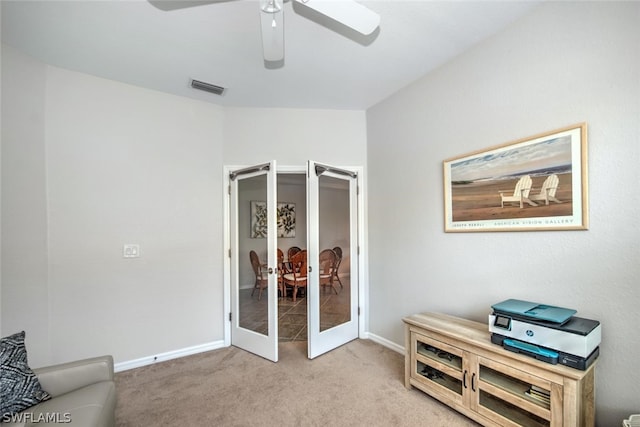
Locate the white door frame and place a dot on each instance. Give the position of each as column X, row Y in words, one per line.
column 362, row 249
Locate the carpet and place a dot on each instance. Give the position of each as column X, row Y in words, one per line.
column 358, row 384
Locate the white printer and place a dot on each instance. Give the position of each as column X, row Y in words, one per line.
column 548, row 333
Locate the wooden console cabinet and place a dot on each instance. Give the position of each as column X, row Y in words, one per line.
column 454, row 361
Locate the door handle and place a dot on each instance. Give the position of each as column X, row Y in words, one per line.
column 473, row 382
column 464, row 379
column 270, row 270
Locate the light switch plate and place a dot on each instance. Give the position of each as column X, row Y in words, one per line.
column 131, row 251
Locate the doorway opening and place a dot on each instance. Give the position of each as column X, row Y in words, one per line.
column 270, row 211
column 334, row 235
column 292, row 315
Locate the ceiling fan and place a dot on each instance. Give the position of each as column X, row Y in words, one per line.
column 347, row 13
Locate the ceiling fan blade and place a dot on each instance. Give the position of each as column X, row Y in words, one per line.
column 272, row 25
column 347, row 12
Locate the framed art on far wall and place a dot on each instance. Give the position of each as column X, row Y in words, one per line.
column 286, row 219
column 535, row 183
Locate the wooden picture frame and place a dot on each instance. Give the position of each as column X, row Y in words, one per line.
column 532, row 184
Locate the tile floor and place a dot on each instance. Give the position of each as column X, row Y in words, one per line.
column 292, row 316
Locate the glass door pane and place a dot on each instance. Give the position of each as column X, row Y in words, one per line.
column 253, row 298
column 335, row 236
column 332, row 229
column 254, row 285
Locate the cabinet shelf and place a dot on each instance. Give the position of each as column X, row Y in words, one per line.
column 516, row 389
column 511, row 412
column 440, row 356
column 453, row 360
column 439, row 377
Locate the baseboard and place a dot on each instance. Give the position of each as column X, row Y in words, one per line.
column 175, row 354
column 385, row 342
column 162, row 357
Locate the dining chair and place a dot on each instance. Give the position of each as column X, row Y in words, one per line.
column 292, row 251
column 338, row 251
column 297, row 278
column 327, row 265
column 261, row 275
column 282, row 270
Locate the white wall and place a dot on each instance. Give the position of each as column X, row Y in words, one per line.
column 566, row 63
column 89, row 165
column 0, row 181
column 127, row 165
column 24, row 212
column 292, row 137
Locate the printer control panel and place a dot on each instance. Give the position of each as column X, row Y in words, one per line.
column 502, row 322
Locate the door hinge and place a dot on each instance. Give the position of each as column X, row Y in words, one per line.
column 358, row 311
column 229, row 189
column 230, row 317
column 229, row 252
column 357, row 189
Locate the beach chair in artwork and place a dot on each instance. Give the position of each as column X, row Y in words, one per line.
column 520, row 193
column 548, row 190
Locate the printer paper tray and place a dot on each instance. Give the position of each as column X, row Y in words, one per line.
column 546, row 354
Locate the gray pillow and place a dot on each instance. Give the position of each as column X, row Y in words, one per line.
column 19, row 386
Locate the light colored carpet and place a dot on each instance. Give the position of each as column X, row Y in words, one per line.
column 358, row 384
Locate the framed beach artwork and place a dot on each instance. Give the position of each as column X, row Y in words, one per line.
column 286, row 219
column 535, row 183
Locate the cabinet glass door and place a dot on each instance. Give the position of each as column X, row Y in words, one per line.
column 440, row 367
column 513, row 395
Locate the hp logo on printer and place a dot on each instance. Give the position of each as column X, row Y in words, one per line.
column 529, row 333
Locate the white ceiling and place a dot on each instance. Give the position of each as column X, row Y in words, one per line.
column 138, row 43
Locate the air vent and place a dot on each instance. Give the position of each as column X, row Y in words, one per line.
column 207, row 87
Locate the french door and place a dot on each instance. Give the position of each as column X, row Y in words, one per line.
column 252, row 228
column 332, row 223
